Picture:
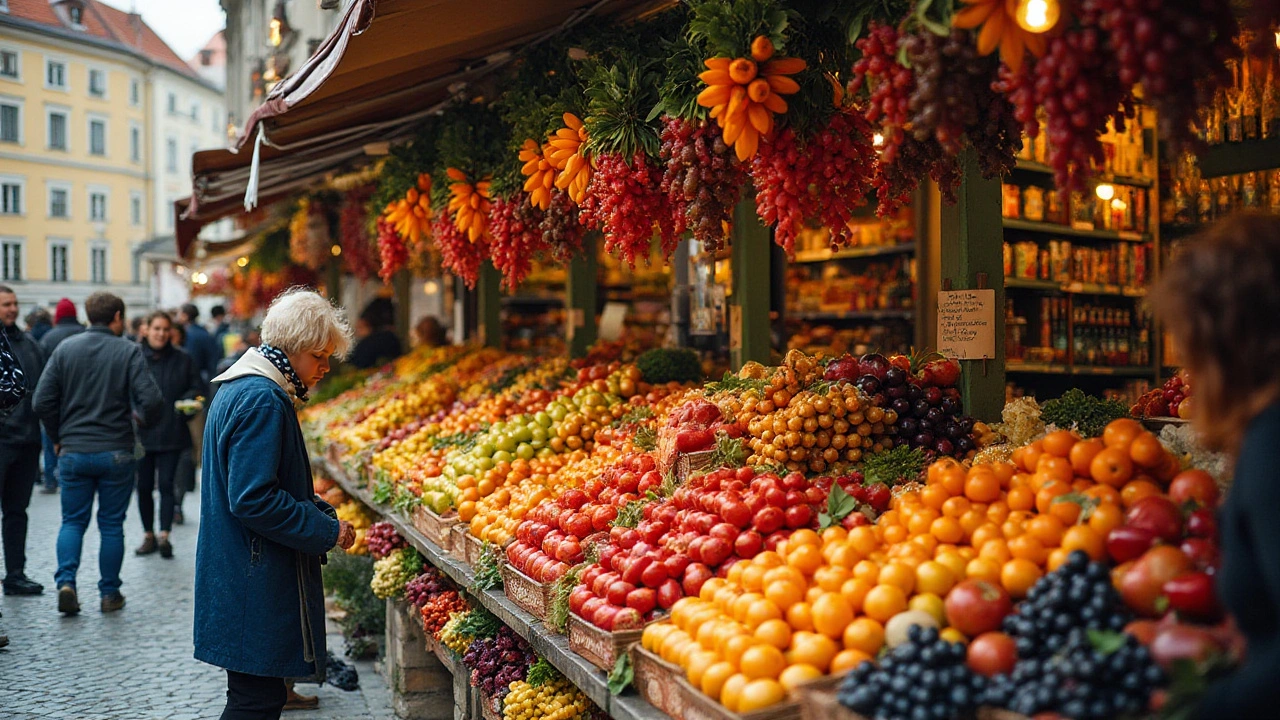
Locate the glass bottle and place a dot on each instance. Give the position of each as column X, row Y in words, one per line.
column 1273, row 192
column 1234, row 128
column 1204, row 202
column 1250, row 106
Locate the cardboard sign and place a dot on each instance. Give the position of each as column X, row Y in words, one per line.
column 966, row 324
column 612, row 320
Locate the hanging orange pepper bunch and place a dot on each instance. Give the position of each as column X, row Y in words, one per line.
column 410, row 216
column 566, row 151
column 539, row 171
column 469, row 204
column 745, row 93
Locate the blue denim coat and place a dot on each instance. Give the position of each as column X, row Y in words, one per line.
column 259, row 602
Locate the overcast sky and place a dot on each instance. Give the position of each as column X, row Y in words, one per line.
column 185, row 24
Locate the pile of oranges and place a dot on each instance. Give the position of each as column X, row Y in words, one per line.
column 820, row 604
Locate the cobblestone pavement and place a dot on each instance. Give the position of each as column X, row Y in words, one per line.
column 135, row 664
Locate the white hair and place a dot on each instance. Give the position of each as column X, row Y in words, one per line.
column 300, row 320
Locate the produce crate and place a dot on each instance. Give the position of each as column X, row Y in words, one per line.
column 600, row 647
column 475, row 546
column 990, row 713
column 689, row 463
column 490, row 707
column 458, row 547
column 818, row 701
column 436, row 529
column 664, row 686
column 532, row 596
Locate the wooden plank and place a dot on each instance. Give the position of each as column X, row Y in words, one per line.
column 973, row 244
column 750, row 246
column 580, row 298
column 1239, row 158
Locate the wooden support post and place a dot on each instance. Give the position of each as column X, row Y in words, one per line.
column 580, row 298
column 749, row 311
column 403, row 284
column 488, row 288
column 422, row 688
column 972, row 245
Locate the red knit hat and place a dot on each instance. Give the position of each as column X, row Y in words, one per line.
column 64, row 310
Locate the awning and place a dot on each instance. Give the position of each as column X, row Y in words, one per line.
column 388, row 64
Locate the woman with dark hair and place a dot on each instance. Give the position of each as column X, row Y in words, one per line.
column 1220, row 298
column 179, row 380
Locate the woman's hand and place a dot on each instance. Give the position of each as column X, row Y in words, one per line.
column 346, row 535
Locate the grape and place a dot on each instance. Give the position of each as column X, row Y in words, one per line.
column 561, row 230
column 430, row 583
column 1177, row 50
column 458, row 255
column 625, row 200
column 497, row 662
column 353, row 232
column 382, row 539
column 515, row 226
column 392, row 251
column 702, row 179
column 925, row 677
column 391, row 573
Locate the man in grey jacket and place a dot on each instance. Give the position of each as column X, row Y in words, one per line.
column 94, row 386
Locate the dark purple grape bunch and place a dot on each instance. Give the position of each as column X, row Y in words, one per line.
column 430, row 583
column 498, row 661
column 383, row 540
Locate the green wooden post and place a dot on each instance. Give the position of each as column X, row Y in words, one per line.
column 749, row 312
column 403, row 288
column 489, row 295
column 972, row 244
column 580, row 298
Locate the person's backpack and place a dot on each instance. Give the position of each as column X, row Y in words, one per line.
column 13, row 386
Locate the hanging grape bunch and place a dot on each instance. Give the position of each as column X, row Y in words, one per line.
column 625, row 201
column 391, row 250
column 383, row 539
column 702, row 179
column 353, row 229
column 561, row 230
column 514, row 225
column 1177, row 50
column 459, row 255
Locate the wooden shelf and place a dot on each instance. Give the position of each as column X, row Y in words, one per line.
column 1079, row 370
column 1130, row 180
column 1238, row 158
column 855, row 315
column 813, row 256
column 555, row 648
column 1067, row 230
column 1075, row 288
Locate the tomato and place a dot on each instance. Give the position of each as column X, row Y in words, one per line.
column 580, row 595
column 975, row 606
column 602, row 516
column 798, row 516
column 1204, row 553
column 589, row 575
column 1129, row 543
column 642, row 600
column 628, row 538
column 1195, row 486
column 769, row 520
column 736, row 513
column 715, row 551
column 1159, row 515
column 1178, row 642
column 1142, row 584
column 654, row 576
column 748, row 544
column 1202, row 524
column 992, row 653
column 605, row 616
column 618, row 591
column 694, row 576
column 669, row 593
column 1192, row 595
column 676, row 564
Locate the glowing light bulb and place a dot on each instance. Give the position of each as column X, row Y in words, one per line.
column 243, row 261
column 1105, row 191
column 336, row 250
column 1037, row 16
column 431, row 287
column 877, row 140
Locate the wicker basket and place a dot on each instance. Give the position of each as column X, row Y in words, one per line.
column 990, row 713
column 532, row 596
column 435, row 528
column 600, row 647
column 689, row 463
column 818, row 701
column 475, row 548
column 458, row 547
column 663, row 685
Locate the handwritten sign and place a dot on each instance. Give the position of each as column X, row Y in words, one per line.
column 966, row 324
column 612, row 320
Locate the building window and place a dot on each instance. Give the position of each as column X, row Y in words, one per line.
column 97, row 137
column 10, row 122
column 11, row 260
column 9, row 64
column 195, row 112
column 98, row 264
column 55, row 75
column 135, row 208
column 135, row 93
column 59, row 202
column 58, row 261
column 173, row 103
column 57, row 130
column 135, row 144
column 171, row 155
column 76, row 13
column 4, row 5
column 97, row 83
column 98, row 206
column 10, row 197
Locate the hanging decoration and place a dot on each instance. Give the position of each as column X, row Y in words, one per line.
column 309, row 239
column 745, row 93
column 566, row 152
column 515, row 226
column 469, row 204
column 354, row 232
column 458, row 254
column 1007, row 27
column 410, row 216
column 541, row 174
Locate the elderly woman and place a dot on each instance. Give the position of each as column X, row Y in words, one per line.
column 263, row 533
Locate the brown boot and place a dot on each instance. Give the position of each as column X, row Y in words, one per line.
column 300, row 702
column 148, row 545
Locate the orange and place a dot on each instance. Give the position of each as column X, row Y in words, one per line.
column 1046, row 494
column 1013, row 527
column 1004, row 472
column 987, row 531
column 742, row 604
column 1120, row 433
column 1027, row 547
column 1066, row 507
column 953, row 479
column 803, row 536
column 734, row 648
column 947, row 530
column 1146, row 451
column 1104, row 493
column 972, row 520
column 934, row 496
column 800, row 616
column 831, row 614
column 1082, row 454
column 1031, row 456
column 883, row 602
column 797, row 675
column 863, row 539
column 1083, row 537
column 934, row 577
column 844, row 555
column 1057, row 557
column 711, row 587
column 1112, row 466
column 951, row 560
column 868, row 571
column 762, row 661
column 707, row 633
column 1055, row 468
column 1018, row 575
column 834, row 533
column 813, row 593
column 1107, row 516
column 783, row 574
column 900, row 574
column 768, row 559
column 760, row 611
column 846, row 660
column 956, row 506
column 930, row 604
column 831, row 578
column 864, row 634
column 813, row 649
column 734, row 576
column 926, row 543
column 998, row 512
column 921, row 520
column 855, row 591
column 1047, row 529
column 699, row 661
column 714, row 677
column 983, row 569
column 1059, row 443
column 759, row 694
column 982, row 487
column 806, row 558
column 895, row 534
column 1134, row 491
column 731, row 691
column 752, row 576
column 774, row 632
column 997, row 550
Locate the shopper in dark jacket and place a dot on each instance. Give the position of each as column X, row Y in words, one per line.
column 39, row 323
column 64, row 326
column 95, row 385
column 199, row 345
column 164, row 442
column 19, row 452
column 1220, row 299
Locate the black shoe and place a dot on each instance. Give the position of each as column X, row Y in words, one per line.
column 46, row 490
column 68, row 603
column 21, row 585
column 112, row 603
column 148, row 545
column 177, row 518
column 4, row 640
column 166, row 550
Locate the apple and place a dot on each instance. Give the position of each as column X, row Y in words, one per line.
column 633, row 568
column 798, row 516
column 676, row 564
column 1159, row 515
column 580, row 595
column 604, row 616
column 669, row 593
column 715, row 551
column 590, row 606
column 768, row 520
column 1129, row 543
column 627, row 618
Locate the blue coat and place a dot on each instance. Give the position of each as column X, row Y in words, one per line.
column 262, row 538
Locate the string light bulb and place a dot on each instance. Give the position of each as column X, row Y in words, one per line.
column 336, row 250
column 242, row 261
column 430, row 287
column 1037, row 16
column 1105, row 191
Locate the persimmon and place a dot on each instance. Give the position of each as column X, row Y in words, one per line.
column 1059, row 443
column 1146, row 451
column 1120, row 433
column 1112, row 466
column 1082, row 454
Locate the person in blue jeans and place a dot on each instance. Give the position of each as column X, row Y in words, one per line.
column 95, row 386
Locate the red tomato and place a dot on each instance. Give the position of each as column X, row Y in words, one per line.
column 992, row 653
column 975, row 607
column 1158, row 514
column 769, row 520
column 1195, row 486
column 669, row 594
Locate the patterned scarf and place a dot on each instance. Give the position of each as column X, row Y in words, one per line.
column 281, row 362
column 12, row 384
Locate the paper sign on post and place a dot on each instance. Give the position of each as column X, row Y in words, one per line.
column 611, row 320
column 966, row 324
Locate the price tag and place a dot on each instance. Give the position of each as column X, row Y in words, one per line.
column 612, row 320
column 966, row 324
